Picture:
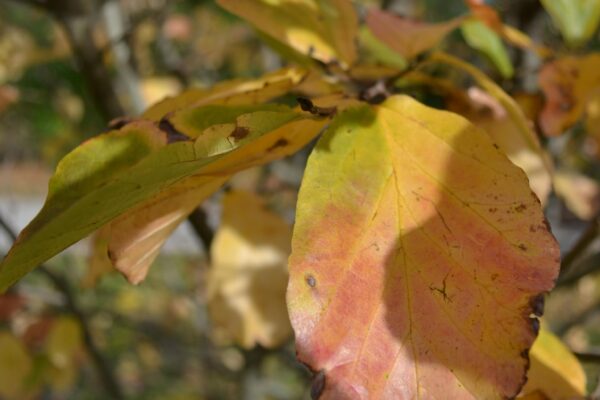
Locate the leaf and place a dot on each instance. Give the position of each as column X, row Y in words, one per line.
column 63, row 346
column 248, row 276
column 510, row 106
column 15, row 366
column 98, row 263
column 407, row 37
column 418, row 257
column 580, row 193
column 324, row 30
column 554, row 370
column 137, row 236
column 568, row 84
column 233, row 92
column 577, row 20
column 505, row 133
column 114, row 172
column 381, row 51
column 484, row 39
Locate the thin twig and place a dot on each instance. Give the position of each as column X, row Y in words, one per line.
column 61, row 284
column 588, row 236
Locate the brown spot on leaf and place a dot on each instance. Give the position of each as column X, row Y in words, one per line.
column 522, row 247
column 494, row 276
column 279, row 143
column 173, row 135
column 318, row 385
column 520, row 208
column 307, row 105
column 239, row 133
column 492, row 209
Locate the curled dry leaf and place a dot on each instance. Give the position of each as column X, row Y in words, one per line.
column 555, row 373
column 408, row 37
column 419, row 255
column 568, row 84
column 248, row 276
column 322, row 29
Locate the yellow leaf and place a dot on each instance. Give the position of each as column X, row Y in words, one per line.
column 248, row 276
column 15, row 366
column 63, row 347
column 323, row 29
column 580, row 193
column 233, row 92
column 554, row 370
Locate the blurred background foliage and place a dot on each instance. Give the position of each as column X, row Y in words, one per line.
column 68, row 68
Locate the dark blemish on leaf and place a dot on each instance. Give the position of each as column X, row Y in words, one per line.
column 118, row 123
column 239, row 133
column 522, row 247
column 494, row 276
column 537, row 305
column 493, row 209
column 307, row 105
column 525, row 354
column 311, row 51
column 496, row 146
column 535, row 325
column 520, row 208
column 173, row 135
column 318, row 385
column 532, row 228
column 279, row 143
column 311, row 281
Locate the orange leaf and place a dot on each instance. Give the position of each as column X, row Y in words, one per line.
column 418, row 257
column 408, row 37
column 568, row 84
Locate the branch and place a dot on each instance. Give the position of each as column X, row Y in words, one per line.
column 61, row 284
column 567, row 273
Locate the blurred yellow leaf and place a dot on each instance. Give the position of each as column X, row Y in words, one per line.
column 232, row 92
column 15, row 366
column 248, row 277
column 63, row 346
column 554, row 370
column 479, row 36
column 580, row 193
column 323, row 29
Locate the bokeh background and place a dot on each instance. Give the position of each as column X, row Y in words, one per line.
column 72, row 331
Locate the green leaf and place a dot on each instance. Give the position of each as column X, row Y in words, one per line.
column 479, row 36
column 322, row 29
column 114, row 172
column 419, row 254
column 577, row 20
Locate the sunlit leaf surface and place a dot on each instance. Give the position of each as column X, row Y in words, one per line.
column 322, row 29
column 116, row 171
column 418, row 257
column 554, row 370
column 248, row 275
